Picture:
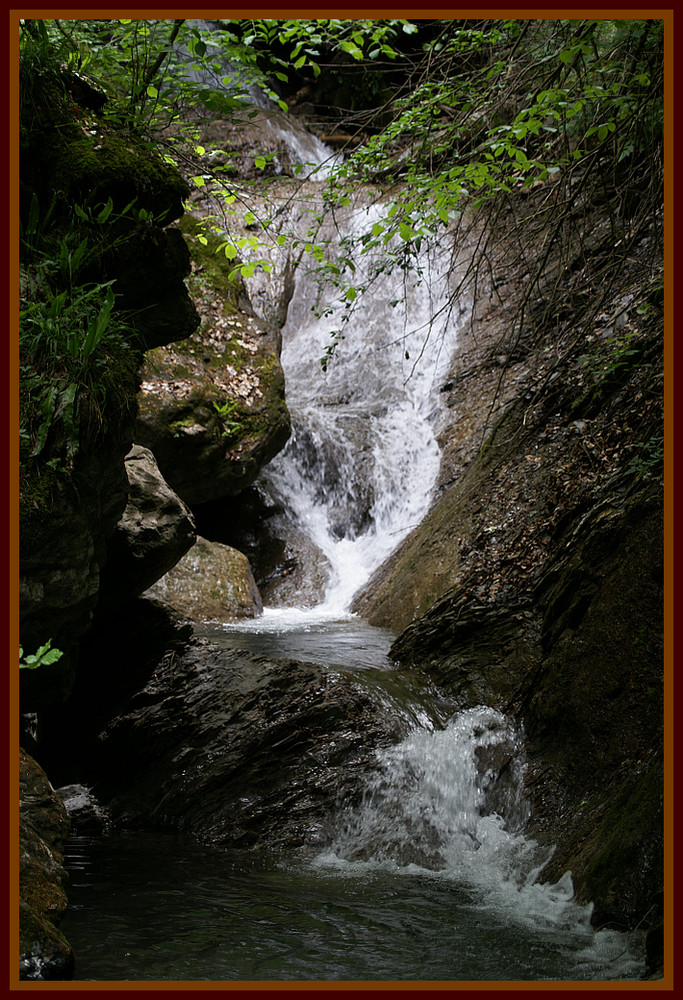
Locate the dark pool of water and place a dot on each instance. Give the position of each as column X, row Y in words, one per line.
column 154, row 907
column 150, row 907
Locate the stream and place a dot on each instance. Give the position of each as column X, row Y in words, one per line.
column 429, row 876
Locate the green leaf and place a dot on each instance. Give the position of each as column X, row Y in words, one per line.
column 106, row 211
column 152, row 91
column 44, row 655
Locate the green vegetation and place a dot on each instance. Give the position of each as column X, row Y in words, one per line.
column 75, row 350
column 44, row 655
column 499, row 132
column 511, row 131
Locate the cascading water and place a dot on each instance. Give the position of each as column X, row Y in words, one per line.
column 358, row 474
column 360, row 468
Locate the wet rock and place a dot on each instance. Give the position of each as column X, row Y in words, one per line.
column 289, row 569
column 155, row 531
column 212, row 407
column 43, row 827
column 84, row 811
column 228, row 746
column 212, row 582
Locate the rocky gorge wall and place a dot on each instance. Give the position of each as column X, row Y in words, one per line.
column 534, row 584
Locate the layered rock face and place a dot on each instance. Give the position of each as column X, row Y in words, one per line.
column 224, row 745
column 535, row 585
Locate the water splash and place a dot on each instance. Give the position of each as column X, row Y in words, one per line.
column 449, row 804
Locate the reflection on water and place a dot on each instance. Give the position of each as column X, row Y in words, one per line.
column 305, row 635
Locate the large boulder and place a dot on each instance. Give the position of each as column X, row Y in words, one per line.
column 227, row 746
column 43, row 828
column 155, row 531
column 212, row 407
column 212, row 582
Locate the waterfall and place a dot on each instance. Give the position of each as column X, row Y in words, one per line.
column 359, row 471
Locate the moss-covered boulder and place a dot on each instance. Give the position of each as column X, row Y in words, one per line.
column 212, row 582
column 212, row 407
column 43, row 828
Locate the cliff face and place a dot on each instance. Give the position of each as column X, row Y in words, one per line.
column 211, row 407
column 74, row 489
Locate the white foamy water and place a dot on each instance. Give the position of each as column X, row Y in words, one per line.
column 448, row 804
column 359, row 471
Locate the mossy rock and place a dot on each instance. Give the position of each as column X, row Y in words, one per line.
column 90, row 165
column 212, row 582
column 212, row 406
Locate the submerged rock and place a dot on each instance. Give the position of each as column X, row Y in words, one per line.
column 212, row 582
